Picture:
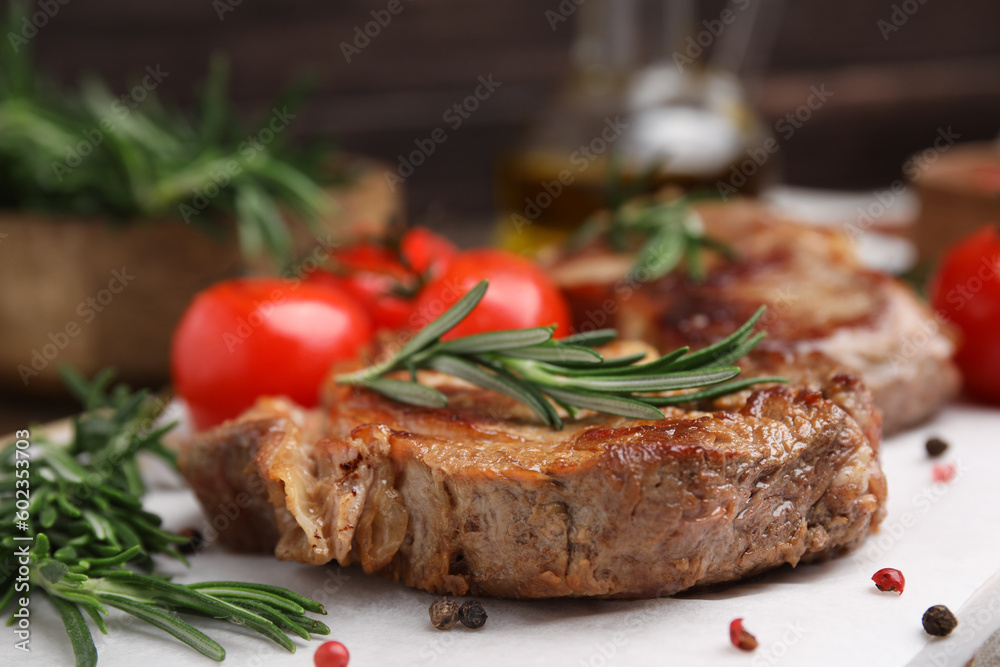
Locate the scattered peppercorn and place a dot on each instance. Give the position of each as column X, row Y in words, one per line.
column 889, row 579
column 935, row 447
column 939, row 621
column 472, row 614
column 195, row 540
column 444, row 613
column 740, row 638
column 943, row 472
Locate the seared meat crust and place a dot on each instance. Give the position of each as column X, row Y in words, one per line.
column 482, row 499
column 819, row 299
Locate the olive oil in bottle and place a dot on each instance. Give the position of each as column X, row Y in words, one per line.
column 627, row 120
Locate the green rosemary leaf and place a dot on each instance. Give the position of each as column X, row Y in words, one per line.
column 497, row 341
column 7, row 592
column 91, row 394
column 255, row 622
column 120, row 497
column 594, row 338
column 692, row 255
column 708, row 355
column 148, row 530
column 229, row 592
column 558, row 353
column 97, row 618
column 255, row 208
column 615, row 405
column 426, row 336
column 168, row 623
column 502, row 385
column 661, row 254
column 154, row 163
column 408, row 392
column 714, row 391
column 740, row 351
column 67, row 553
column 575, row 376
column 117, row 559
column 663, row 363
column 79, row 634
column 66, row 507
column 52, row 571
column 311, row 625
column 284, row 593
column 49, row 513
column 100, row 527
column 446, row 321
column 96, row 527
column 646, row 383
column 551, row 417
column 85, row 600
column 63, row 464
column 611, row 366
column 280, row 617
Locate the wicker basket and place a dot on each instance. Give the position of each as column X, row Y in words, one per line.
column 93, row 293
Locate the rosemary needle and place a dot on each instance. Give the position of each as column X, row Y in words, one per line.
column 531, row 367
column 91, row 528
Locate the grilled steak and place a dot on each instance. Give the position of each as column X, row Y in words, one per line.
column 481, row 498
column 819, row 299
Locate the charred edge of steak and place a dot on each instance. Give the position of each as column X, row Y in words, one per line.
column 219, row 467
column 619, row 510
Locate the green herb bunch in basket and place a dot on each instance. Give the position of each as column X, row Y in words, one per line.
column 88, row 152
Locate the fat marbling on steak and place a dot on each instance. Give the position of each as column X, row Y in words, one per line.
column 481, row 498
column 819, row 298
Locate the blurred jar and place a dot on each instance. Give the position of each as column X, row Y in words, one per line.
column 639, row 111
column 959, row 191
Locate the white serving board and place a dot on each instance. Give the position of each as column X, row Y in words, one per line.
column 944, row 538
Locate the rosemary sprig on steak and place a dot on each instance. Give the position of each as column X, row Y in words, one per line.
column 73, row 524
column 663, row 232
column 530, row 366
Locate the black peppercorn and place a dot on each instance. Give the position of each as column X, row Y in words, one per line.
column 935, row 447
column 194, row 543
column 939, row 621
column 472, row 614
column 444, row 613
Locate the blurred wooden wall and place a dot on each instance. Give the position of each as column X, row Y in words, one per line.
column 938, row 69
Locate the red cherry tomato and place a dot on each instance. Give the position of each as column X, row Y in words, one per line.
column 380, row 276
column 241, row 339
column 374, row 291
column 966, row 289
column 520, row 295
column 427, row 253
column 369, row 256
column 331, row 654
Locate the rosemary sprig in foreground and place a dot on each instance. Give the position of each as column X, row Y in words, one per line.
column 530, row 366
column 84, row 524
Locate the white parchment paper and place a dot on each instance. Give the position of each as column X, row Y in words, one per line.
column 944, row 537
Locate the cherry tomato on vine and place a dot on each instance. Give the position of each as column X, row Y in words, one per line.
column 966, row 289
column 385, row 276
column 375, row 292
column 245, row 338
column 520, row 295
column 426, row 253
